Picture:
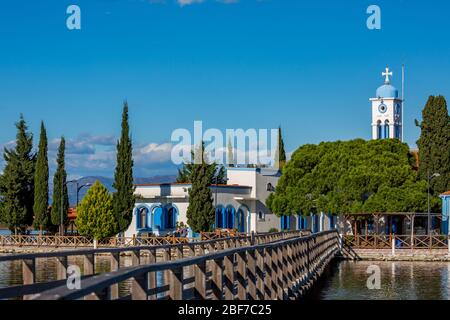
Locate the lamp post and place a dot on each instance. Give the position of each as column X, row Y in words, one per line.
column 215, row 194
column 430, row 177
column 62, row 199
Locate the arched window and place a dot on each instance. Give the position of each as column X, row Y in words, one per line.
column 142, row 218
column 229, row 218
column 261, row 216
column 379, row 130
column 285, row 223
column 219, row 218
column 170, row 222
column 158, row 219
column 386, row 129
column 270, row 187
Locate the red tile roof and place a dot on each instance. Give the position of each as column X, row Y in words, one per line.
column 446, row 193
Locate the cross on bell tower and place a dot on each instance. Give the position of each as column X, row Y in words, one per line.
column 387, row 74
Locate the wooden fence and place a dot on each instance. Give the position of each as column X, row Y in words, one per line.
column 57, row 241
column 163, row 252
column 400, row 241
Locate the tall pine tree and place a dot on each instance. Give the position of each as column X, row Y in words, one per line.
column 17, row 181
column 201, row 212
column 40, row 207
column 123, row 198
column 434, row 144
column 280, row 154
column 60, row 204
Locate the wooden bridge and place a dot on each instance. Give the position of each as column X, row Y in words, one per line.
column 256, row 267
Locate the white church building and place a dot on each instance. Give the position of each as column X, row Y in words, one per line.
column 240, row 204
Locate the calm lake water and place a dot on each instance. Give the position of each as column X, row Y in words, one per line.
column 346, row 280
column 11, row 272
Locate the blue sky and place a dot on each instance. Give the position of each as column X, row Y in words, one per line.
column 309, row 66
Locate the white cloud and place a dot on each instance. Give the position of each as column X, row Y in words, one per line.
column 188, row 2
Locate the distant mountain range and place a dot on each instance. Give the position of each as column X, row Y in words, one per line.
column 108, row 183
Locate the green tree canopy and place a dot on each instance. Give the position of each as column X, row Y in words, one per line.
column 350, row 177
column 95, row 215
column 434, row 144
column 41, row 218
column 17, row 181
column 123, row 198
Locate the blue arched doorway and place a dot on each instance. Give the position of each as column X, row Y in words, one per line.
column 285, row 222
column 142, row 218
column 219, row 217
column 170, row 218
column 158, row 219
column 241, row 217
column 229, row 217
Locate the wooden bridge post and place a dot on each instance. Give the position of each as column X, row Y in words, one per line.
column 89, row 264
column 260, row 274
column 217, row 279
column 274, row 281
column 229, row 277
column 268, row 274
column 241, row 275
column 61, row 268
column 179, row 251
column 167, row 256
column 139, row 287
column 286, row 270
column 296, row 261
column 89, row 269
column 176, row 284
column 251, row 275
column 115, row 265
column 152, row 284
column 200, row 277
column 135, row 257
column 28, row 273
column 191, row 253
column 280, row 268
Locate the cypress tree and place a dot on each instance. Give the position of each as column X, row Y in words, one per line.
column 40, row 207
column 95, row 216
column 123, row 198
column 231, row 161
column 434, row 144
column 215, row 172
column 280, row 154
column 200, row 212
column 17, row 181
column 60, row 196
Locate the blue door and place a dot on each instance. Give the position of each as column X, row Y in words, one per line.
column 158, row 219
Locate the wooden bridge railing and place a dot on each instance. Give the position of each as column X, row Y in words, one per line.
column 161, row 252
column 283, row 269
column 58, row 241
column 400, row 241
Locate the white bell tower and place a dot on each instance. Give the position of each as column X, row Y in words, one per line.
column 387, row 117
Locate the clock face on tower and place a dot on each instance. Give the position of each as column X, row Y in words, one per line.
column 382, row 108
